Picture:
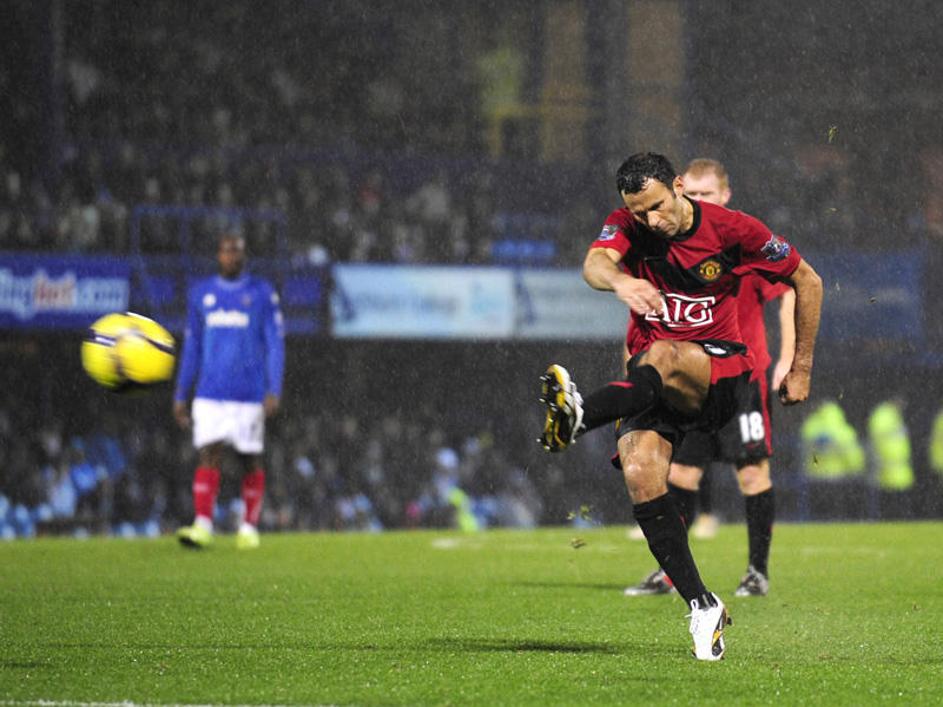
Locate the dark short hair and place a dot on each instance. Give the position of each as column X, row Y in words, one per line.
column 230, row 236
column 639, row 168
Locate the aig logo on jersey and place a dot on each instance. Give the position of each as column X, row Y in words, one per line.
column 680, row 312
column 710, row 270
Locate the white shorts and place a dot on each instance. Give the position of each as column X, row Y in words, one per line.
column 240, row 425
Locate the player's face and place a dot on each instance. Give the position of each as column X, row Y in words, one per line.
column 231, row 256
column 706, row 187
column 658, row 207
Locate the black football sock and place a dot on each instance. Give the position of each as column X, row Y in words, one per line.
column 668, row 541
column 761, row 509
column 705, row 498
column 639, row 391
column 686, row 502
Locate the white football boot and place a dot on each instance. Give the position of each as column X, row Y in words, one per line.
column 707, row 629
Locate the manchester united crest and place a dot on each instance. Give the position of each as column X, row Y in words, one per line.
column 710, row 270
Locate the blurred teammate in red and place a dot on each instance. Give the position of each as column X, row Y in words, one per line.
column 747, row 444
column 678, row 265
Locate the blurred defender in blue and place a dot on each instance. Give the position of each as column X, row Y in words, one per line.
column 233, row 363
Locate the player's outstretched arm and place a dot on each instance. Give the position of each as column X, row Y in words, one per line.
column 808, row 286
column 787, row 337
column 601, row 272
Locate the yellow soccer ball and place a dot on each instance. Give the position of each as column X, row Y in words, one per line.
column 122, row 351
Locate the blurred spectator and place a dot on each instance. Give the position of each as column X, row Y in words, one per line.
column 432, row 202
column 890, row 445
column 830, row 445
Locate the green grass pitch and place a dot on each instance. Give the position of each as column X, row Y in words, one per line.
column 855, row 616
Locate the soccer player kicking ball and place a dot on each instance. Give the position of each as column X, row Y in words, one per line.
column 234, row 352
column 677, row 264
column 745, row 440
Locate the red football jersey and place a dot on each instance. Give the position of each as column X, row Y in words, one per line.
column 756, row 291
column 698, row 272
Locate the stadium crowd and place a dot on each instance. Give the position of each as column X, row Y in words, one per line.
column 393, row 173
column 333, row 211
column 383, row 175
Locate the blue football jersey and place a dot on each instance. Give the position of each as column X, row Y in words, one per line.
column 234, row 345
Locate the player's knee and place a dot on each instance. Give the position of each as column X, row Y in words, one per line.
column 754, row 479
column 642, row 479
column 644, row 457
column 685, row 476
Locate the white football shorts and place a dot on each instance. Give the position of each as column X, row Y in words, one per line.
column 240, row 425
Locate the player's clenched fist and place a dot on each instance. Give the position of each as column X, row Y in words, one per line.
column 795, row 387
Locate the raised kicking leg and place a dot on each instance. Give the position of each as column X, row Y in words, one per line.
column 679, row 375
